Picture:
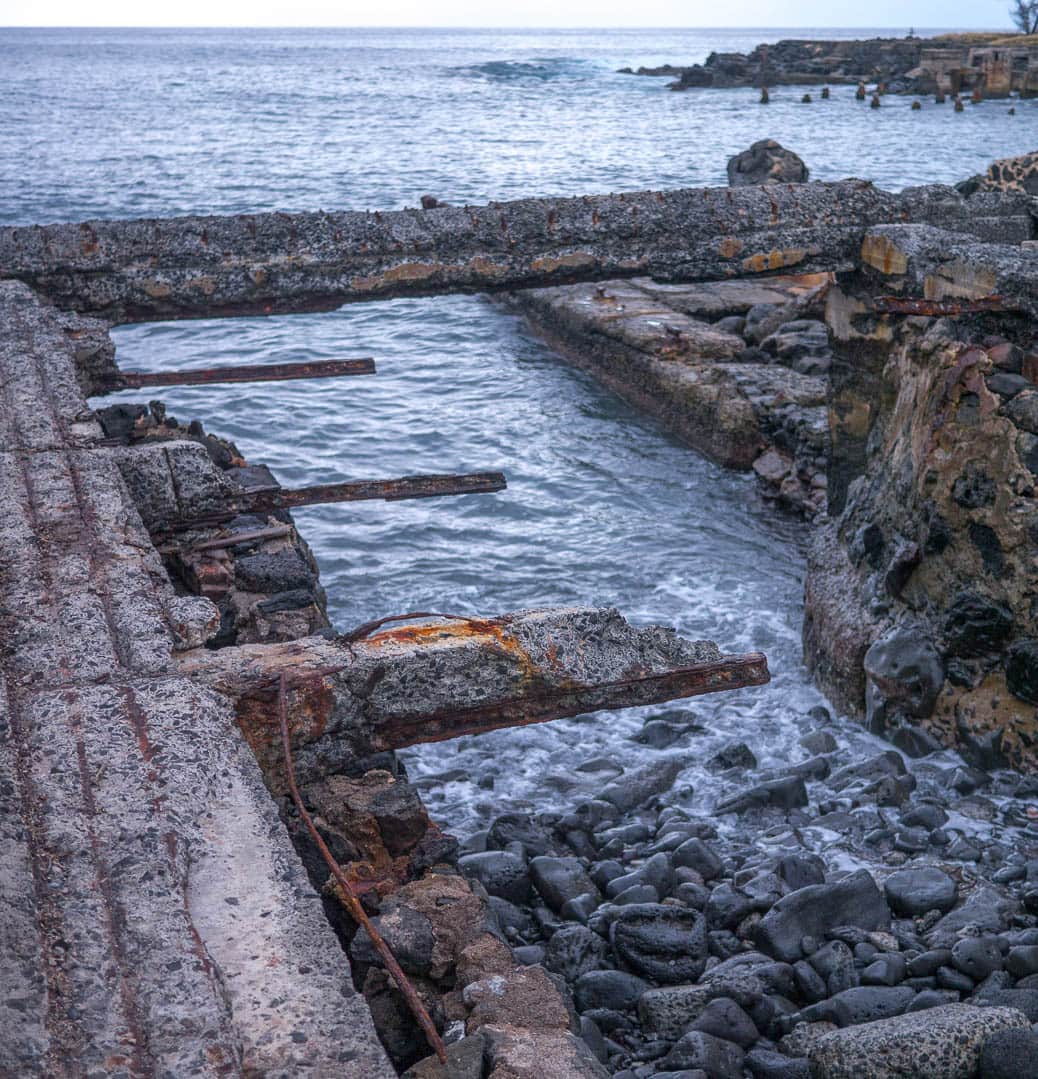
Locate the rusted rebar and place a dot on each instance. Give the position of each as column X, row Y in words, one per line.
column 911, row 305
column 349, row 896
column 251, row 372
column 272, row 499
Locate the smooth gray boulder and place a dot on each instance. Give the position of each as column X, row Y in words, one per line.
column 939, row 1043
column 812, row 911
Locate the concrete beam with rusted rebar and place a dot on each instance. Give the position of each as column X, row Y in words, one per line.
column 201, row 267
column 442, row 678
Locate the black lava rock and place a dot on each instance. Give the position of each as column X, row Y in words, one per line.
column 1024, row 1000
column 665, row 943
column 521, row 828
column 916, row 891
column 614, row 990
column 695, row 854
column 975, row 625
column 500, row 872
column 574, row 950
column 723, row 1018
column 766, row 1064
column 786, row 793
column 888, row 969
column 907, row 671
column 1009, row 1054
column 717, row 1058
column 977, row 956
column 1022, row 960
column 559, row 880
column 800, row 870
column 813, row 910
column 733, row 755
column 868, row 1003
column 1022, row 670
column 281, row 571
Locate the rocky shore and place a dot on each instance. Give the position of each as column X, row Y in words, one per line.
column 993, row 64
column 728, row 946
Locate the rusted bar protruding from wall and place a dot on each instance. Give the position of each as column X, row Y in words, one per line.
column 252, row 372
column 273, row 499
column 729, row 672
column 909, row 305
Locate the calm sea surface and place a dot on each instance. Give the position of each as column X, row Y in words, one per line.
column 602, row 506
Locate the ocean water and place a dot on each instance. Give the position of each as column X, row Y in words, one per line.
column 603, row 507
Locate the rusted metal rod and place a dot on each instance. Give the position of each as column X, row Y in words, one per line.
column 349, row 896
column 272, row 499
column 911, row 305
column 235, row 538
column 731, row 672
column 252, row 372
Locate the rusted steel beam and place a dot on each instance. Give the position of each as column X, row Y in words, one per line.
column 273, row 499
column 446, row 677
column 252, row 372
column 911, row 305
column 201, row 267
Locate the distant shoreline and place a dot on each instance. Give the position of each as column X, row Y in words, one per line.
column 985, row 63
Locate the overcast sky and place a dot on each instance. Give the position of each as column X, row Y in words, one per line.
column 533, row 13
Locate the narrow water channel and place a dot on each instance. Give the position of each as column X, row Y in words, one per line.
column 603, row 507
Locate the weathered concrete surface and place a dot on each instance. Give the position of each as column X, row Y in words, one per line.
column 155, row 918
column 206, row 266
column 440, row 679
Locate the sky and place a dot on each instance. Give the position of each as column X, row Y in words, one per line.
column 987, row 14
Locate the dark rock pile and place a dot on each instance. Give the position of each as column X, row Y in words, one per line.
column 793, row 61
column 728, row 945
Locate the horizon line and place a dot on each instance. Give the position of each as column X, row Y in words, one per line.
column 916, row 32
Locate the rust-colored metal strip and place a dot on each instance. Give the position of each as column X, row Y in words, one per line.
column 252, row 372
column 387, row 490
column 732, row 672
column 911, row 305
column 349, row 897
column 272, row 499
column 234, row 538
